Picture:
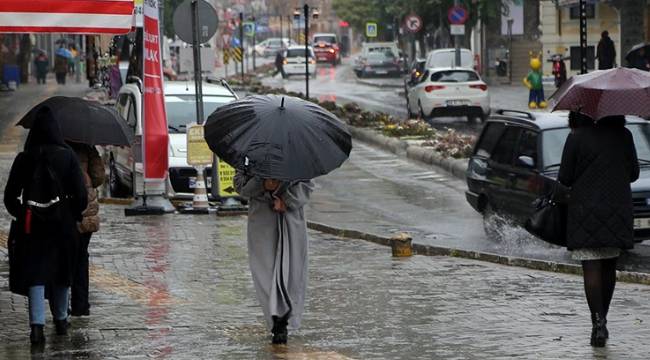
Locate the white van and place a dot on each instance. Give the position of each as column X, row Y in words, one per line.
column 444, row 58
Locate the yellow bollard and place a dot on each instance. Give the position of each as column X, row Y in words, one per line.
column 401, row 245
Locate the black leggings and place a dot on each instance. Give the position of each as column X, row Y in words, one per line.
column 600, row 280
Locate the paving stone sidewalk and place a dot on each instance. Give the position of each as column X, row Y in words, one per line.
column 178, row 287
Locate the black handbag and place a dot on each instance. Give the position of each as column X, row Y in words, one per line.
column 16, row 247
column 549, row 221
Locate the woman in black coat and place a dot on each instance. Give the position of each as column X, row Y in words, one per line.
column 49, row 250
column 599, row 162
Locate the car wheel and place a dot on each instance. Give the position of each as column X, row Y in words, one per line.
column 334, row 63
column 493, row 224
column 115, row 187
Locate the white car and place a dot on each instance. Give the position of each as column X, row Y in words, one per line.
column 181, row 110
column 294, row 61
column 271, row 46
column 449, row 92
column 443, row 58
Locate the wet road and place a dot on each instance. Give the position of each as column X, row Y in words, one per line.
column 340, row 84
column 381, row 193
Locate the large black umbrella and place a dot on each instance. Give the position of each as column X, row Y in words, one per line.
column 84, row 121
column 278, row 137
column 635, row 52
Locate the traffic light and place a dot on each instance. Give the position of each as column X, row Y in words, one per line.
column 315, row 13
column 296, row 13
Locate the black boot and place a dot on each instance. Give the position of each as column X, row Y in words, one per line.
column 593, row 323
column 598, row 331
column 36, row 336
column 280, row 332
column 61, row 326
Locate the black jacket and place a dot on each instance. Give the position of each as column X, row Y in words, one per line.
column 599, row 163
column 606, row 53
column 49, row 255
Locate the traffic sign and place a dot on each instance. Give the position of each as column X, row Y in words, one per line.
column 371, row 29
column 455, row 29
column 207, row 20
column 198, row 151
column 457, row 15
column 413, row 23
column 249, row 28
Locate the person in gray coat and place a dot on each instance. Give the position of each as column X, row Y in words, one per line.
column 599, row 162
column 277, row 248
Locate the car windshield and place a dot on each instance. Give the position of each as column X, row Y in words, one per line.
column 381, row 56
column 454, row 76
column 329, row 39
column 181, row 109
column 553, row 143
column 298, row 53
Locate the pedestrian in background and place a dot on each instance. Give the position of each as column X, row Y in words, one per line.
column 277, row 248
column 60, row 68
column 92, row 168
column 279, row 64
column 606, row 52
column 46, row 169
column 41, row 63
column 599, row 162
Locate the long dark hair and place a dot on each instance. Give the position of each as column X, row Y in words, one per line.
column 614, row 120
column 578, row 120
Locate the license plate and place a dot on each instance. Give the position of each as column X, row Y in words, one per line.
column 192, row 182
column 642, row 223
column 381, row 72
column 322, row 58
column 456, row 102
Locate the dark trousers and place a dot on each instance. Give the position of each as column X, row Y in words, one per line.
column 60, row 78
column 280, row 69
column 79, row 301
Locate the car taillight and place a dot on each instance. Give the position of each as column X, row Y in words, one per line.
column 430, row 88
column 331, row 51
column 479, row 86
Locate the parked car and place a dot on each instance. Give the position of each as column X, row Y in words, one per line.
column 449, row 92
column 271, row 46
column 326, row 48
column 294, row 61
column 444, row 58
column 517, row 159
column 378, row 63
column 180, row 105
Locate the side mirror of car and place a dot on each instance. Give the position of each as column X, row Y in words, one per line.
column 526, row 161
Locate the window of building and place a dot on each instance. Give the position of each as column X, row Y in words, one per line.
column 575, row 57
column 574, row 11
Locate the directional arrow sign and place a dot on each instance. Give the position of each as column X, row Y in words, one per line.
column 413, row 23
column 457, row 15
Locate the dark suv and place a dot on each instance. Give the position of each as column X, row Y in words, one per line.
column 517, row 158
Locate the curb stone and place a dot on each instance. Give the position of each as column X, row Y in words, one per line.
column 431, row 250
column 456, row 167
column 379, row 85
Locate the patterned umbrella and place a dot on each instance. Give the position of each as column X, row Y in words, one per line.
column 620, row 91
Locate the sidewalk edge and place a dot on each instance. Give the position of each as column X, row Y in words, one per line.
column 432, row 250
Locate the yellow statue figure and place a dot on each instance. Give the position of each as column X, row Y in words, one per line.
column 533, row 82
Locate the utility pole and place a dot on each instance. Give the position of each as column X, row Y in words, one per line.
column 241, row 41
column 306, row 11
column 254, row 34
column 583, row 36
column 457, row 40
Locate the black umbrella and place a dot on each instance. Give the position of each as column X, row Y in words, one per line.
column 278, row 137
column 84, row 121
column 634, row 51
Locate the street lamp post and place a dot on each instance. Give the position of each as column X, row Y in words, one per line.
column 306, row 13
column 583, row 36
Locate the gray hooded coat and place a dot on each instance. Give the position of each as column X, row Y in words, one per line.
column 277, row 247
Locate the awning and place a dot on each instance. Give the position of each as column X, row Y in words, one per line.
column 66, row 16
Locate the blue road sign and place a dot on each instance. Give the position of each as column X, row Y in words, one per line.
column 457, row 15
